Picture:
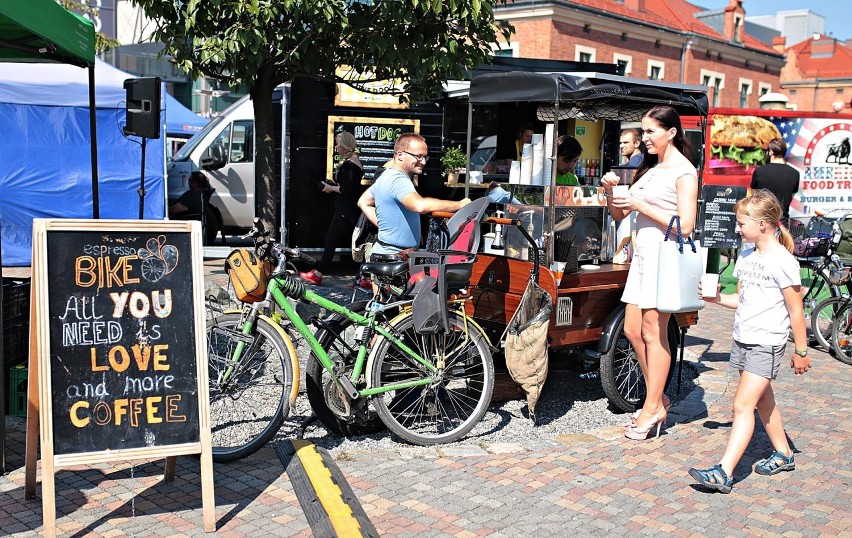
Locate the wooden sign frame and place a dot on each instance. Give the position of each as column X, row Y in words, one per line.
column 40, row 418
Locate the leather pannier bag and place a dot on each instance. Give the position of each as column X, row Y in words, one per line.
column 248, row 275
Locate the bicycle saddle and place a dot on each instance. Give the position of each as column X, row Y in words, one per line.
column 385, row 268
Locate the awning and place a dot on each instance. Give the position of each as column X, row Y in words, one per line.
column 43, row 31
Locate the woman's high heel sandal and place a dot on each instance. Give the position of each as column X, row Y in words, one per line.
column 640, row 434
column 638, row 412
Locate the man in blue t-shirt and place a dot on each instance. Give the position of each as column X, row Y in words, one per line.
column 392, row 203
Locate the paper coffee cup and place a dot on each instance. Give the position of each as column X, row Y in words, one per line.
column 709, row 284
column 620, row 191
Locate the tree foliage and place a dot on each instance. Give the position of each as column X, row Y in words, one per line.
column 263, row 43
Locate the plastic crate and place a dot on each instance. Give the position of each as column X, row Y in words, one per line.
column 16, row 322
column 18, row 392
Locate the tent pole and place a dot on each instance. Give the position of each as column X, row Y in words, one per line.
column 142, row 184
column 93, row 143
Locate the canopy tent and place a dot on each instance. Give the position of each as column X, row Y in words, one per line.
column 43, row 31
column 589, row 96
column 45, row 172
column 181, row 121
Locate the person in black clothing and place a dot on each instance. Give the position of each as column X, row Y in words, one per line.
column 776, row 176
column 346, row 190
column 191, row 203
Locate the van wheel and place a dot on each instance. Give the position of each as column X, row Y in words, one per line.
column 211, row 226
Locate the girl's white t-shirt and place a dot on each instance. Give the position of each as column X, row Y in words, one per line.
column 762, row 316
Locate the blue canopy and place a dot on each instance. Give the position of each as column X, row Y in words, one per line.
column 181, row 121
column 44, row 148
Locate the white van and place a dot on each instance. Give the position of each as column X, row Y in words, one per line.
column 225, row 152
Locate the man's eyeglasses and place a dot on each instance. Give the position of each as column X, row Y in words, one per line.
column 424, row 158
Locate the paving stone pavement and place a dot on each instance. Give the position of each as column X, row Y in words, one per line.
column 596, row 484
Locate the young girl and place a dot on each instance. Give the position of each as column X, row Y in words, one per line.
column 768, row 304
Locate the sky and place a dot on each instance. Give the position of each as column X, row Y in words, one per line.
column 836, row 12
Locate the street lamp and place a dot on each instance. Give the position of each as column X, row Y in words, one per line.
column 211, row 94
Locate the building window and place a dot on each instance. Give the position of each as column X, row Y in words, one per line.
column 623, row 61
column 584, row 54
column 763, row 88
column 510, row 50
column 745, row 90
column 656, row 70
column 716, row 82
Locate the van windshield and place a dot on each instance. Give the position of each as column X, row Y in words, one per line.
column 185, row 150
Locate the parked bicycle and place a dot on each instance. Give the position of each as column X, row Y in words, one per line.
column 816, row 241
column 425, row 388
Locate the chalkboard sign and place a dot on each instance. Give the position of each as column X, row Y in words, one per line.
column 121, row 359
column 718, row 217
column 374, row 137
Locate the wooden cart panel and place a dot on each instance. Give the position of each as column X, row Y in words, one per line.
column 582, row 300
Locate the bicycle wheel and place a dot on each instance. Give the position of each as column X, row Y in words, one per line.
column 447, row 408
column 621, row 377
column 817, row 287
column 822, row 318
column 247, row 409
column 334, row 409
column 841, row 334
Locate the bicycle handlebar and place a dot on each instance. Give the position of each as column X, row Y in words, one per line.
column 263, row 242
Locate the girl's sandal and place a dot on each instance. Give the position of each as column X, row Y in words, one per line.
column 774, row 464
column 714, row 478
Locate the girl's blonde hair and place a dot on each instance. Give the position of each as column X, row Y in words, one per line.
column 761, row 204
column 347, row 140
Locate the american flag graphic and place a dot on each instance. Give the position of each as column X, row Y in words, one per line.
column 815, row 148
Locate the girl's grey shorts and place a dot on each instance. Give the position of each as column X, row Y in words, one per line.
column 758, row 359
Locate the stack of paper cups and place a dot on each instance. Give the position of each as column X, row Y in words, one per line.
column 548, row 149
column 526, row 165
column 538, row 159
column 515, row 172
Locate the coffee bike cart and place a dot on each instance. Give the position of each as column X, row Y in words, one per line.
column 587, row 314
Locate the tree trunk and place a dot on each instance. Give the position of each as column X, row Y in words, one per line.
column 266, row 202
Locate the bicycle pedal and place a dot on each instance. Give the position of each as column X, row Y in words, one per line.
column 347, row 386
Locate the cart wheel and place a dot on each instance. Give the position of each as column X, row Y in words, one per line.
column 620, row 374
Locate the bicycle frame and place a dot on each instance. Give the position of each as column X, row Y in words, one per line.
column 275, row 293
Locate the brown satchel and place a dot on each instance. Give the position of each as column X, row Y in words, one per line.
column 248, row 275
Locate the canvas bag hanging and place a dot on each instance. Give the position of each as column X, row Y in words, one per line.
column 678, row 273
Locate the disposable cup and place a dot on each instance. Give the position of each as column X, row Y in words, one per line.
column 620, row 191
column 709, row 284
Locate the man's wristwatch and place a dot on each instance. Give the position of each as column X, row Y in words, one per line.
column 801, row 352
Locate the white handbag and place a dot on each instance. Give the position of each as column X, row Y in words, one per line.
column 678, row 273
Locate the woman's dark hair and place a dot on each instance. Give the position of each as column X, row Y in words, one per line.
column 668, row 118
column 777, row 147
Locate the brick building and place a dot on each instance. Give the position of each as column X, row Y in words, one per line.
column 657, row 39
column 818, row 74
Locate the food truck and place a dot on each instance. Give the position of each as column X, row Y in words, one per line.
column 818, row 146
column 572, row 237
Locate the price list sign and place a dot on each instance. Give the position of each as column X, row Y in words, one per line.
column 374, row 137
column 718, row 217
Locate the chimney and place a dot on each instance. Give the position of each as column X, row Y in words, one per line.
column 779, row 43
column 635, row 5
column 734, row 21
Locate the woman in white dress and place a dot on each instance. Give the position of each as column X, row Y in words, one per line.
column 666, row 184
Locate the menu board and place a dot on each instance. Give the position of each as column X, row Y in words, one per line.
column 122, row 340
column 374, row 137
column 718, row 217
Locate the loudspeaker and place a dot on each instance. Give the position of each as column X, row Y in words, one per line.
column 143, row 107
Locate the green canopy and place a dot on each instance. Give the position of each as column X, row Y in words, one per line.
column 44, row 31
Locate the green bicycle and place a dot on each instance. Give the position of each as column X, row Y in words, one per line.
column 425, row 388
